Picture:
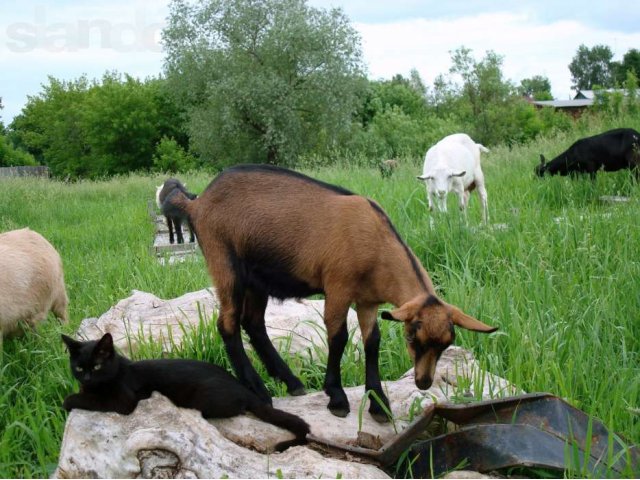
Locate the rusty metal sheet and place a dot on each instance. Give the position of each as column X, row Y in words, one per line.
column 534, row 430
column 553, row 416
column 484, row 448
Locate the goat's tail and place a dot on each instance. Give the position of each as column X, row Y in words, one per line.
column 482, row 148
column 176, row 204
column 285, row 420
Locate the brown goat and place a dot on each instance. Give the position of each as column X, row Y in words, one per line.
column 267, row 231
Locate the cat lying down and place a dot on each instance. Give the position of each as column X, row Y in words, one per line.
column 110, row 382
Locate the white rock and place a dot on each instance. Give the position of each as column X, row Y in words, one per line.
column 143, row 315
column 466, row 475
column 159, row 440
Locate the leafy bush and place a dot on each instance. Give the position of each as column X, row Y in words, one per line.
column 91, row 129
column 171, row 157
column 10, row 156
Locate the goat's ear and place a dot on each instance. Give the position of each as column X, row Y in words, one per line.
column 390, row 316
column 542, row 159
column 404, row 313
column 461, row 319
column 72, row 345
column 461, row 174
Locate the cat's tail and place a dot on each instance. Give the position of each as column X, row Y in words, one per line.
column 285, row 420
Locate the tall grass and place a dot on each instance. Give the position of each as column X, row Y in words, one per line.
column 564, row 292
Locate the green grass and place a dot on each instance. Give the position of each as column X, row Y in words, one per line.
column 564, row 293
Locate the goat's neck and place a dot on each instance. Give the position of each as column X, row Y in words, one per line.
column 409, row 285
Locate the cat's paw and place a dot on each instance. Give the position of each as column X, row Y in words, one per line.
column 70, row 402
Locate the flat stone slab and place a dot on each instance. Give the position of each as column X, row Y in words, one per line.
column 160, row 440
column 296, row 326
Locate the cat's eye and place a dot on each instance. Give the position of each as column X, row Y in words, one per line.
column 78, row 369
column 97, row 366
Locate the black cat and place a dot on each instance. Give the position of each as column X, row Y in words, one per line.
column 112, row 383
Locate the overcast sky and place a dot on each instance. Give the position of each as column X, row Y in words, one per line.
column 67, row 38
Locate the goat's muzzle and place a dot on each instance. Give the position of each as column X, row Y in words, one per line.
column 424, row 383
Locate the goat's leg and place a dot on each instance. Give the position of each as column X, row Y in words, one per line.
column 191, row 232
column 442, row 203
column 255, row 305
column 371, row 338
column 229, row 328
column 59, row 307
column 170, row 225
column 335, row 318
column 465, row 199
column 177, row 222
column 462, row 203
column 430, row 200
column 482, row 193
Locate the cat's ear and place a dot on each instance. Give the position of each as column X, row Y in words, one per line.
column 104, row 348
column 72, row 345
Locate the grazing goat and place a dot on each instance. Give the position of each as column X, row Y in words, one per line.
column 31, row 283
column 610, row 151
column 268, row 231
column 453, row 164
column 387, row 167
column 164, row 195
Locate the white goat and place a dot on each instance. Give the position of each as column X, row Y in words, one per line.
column 453, row 164
column 32, row 281
column 158, row 190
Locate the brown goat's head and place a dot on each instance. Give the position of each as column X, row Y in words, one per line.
column 428, row 325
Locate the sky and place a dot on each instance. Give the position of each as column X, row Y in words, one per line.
column 69, row 38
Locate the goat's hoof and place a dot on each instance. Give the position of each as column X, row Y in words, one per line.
column 297, row 392
column 380, row 417
column 339, row 411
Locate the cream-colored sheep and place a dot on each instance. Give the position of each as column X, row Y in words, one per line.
column 31, row 281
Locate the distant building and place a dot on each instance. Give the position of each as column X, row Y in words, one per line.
column 591, row 94
column 575, row 106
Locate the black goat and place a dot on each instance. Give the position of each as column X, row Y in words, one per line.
column 609, row 151
column 175, row 216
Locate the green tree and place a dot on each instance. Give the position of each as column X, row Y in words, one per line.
column 50, row 127
column 537, row 87
column 630, row 63
column 3, row 130
column 171, row 157
column 123, row 119
column 475, row 98
column 11, row 156
column 484, row 95
column 592, row 66
column 87, row 129
column 263, row 80
column 406, row 94
column 631, row 87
